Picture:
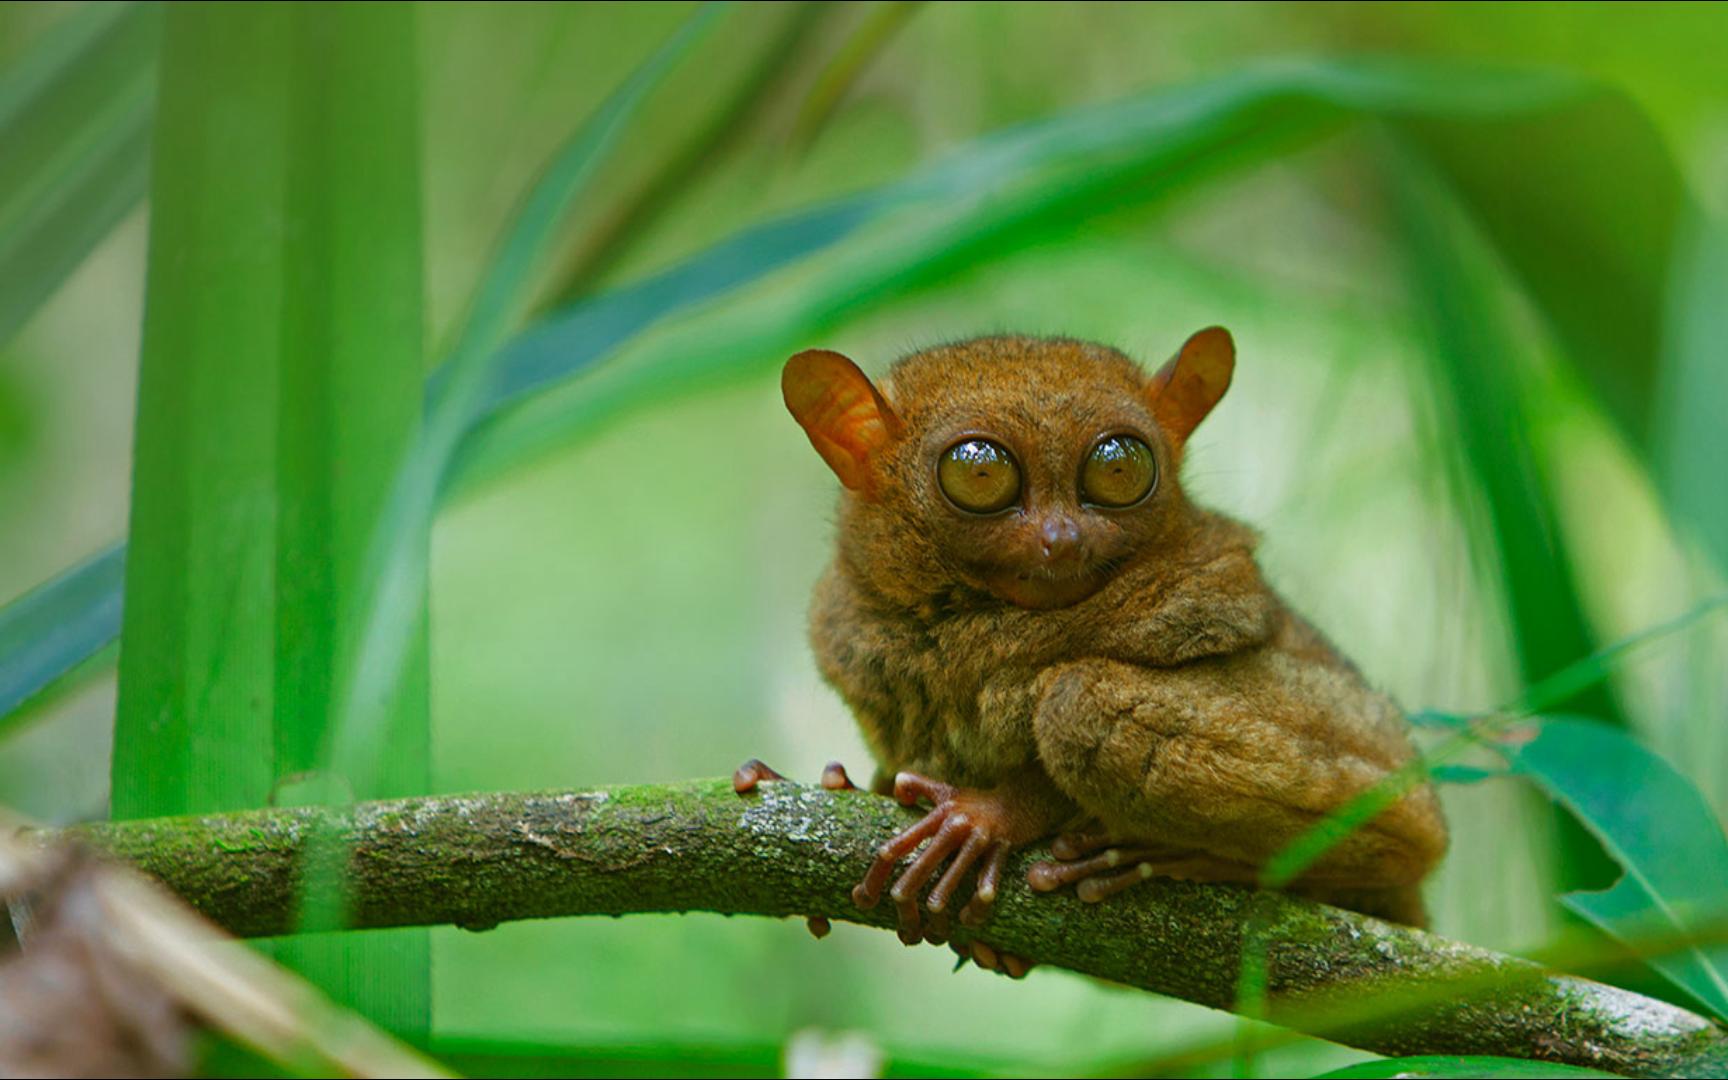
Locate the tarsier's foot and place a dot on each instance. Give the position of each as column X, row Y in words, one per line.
column 750, row 774
column 755, row 771
column 834, row 778
column 976, row 828
column 989, row 959
column 1103, row 866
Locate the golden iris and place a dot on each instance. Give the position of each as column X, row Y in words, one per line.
column 1118, row 472
column 979, row 476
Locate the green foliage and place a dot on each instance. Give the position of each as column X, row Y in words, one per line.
column 1689, row 443
column 1484, row 399
column 279, row 388
column 75, row 122
column 1656, row 825
column 390, row 588
column 1005, row 192
column 1552, row 260
column 50, row 631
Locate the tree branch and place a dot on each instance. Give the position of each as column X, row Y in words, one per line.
column 478, row 860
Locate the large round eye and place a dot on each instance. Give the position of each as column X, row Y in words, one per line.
column 979, row 476
column 1118, row 472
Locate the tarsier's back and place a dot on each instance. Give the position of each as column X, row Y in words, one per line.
column 1039, row 631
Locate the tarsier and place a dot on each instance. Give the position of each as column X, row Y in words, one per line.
column 1041, row 636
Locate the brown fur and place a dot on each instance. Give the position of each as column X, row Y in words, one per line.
column 1178, row 701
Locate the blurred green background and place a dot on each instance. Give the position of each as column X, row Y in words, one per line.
column 624, row 601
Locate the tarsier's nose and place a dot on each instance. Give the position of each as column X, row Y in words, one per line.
column 1060, row 538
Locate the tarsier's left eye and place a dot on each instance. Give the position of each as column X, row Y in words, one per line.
column 1120, row 471
column 979, row 476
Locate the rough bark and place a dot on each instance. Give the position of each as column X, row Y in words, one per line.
column 791, row 850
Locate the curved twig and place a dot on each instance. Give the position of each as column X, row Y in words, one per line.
column 788, row 849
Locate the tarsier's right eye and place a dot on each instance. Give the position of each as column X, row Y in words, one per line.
column 979, row 476
column 1118, row 473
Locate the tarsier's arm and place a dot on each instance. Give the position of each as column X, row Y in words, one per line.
column 1220, row 764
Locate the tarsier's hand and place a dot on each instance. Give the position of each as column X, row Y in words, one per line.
column 1100, row 865
column 966, row 829
column 977, row 828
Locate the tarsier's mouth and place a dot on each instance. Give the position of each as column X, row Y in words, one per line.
column 1040, row 588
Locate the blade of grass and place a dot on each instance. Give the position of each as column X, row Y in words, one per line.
column 75, row 121
column 280, row 382
column 193, row 730
column 351, row 403
column 51, row 630
column 1482, row 398
column 1691, row 442
column 377, row 653
column 612, row 238
column 1591, row 245
column 866, row 42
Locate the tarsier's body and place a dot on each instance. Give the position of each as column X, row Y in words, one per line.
column 1027, row 615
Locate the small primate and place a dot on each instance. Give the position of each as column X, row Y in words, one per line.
column 1041, row 636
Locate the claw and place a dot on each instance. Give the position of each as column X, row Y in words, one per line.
column 834, row 778
column 750, row 774
column 984, row 956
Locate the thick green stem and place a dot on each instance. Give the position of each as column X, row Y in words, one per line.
column 478, row 860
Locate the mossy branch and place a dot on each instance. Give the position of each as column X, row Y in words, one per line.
column 789, row 849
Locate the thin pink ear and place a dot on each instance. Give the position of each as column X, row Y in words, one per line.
column 847, row 419
column 1186, row 389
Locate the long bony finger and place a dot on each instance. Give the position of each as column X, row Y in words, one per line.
column 869, row 891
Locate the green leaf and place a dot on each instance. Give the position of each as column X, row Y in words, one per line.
column 1463, row 774
column 49, row 631
column 1691, row 443
column 999, row 192
column 75, row 122
column 280, row 385
column 741, row 114
column 1457, row 1067
column 1482, row 401
column 1587, row 209
column 390, row 589
column 1657, row 827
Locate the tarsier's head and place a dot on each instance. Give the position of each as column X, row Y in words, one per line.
column 1026, row 469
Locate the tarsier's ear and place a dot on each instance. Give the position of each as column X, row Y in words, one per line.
column 847, row 420
column 1185, row 389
